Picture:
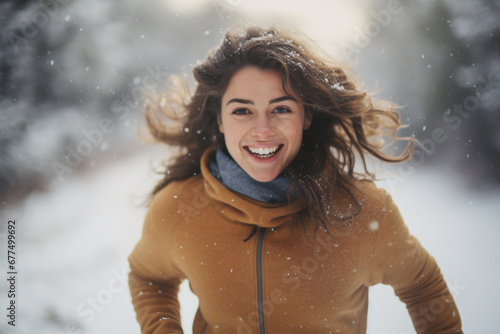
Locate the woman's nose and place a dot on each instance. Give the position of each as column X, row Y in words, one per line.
column 263, row 127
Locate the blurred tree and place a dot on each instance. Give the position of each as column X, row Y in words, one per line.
column 67, row 66
column 442, row 62
column 466, row 102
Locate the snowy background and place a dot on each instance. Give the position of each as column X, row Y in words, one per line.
column 74, row 173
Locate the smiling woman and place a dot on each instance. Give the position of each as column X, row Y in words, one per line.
column 262, row 211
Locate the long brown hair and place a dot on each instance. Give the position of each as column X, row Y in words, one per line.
column 345, row 120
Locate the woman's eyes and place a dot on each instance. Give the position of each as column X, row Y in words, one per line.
column 241, row 112
column 279, row 110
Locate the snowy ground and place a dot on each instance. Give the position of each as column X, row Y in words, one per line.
column 73, row 243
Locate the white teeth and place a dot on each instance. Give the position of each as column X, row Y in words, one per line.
column 261, row 150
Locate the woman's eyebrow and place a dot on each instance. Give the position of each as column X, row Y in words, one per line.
column 240, row 101
column 281, row 99
column 276, row 100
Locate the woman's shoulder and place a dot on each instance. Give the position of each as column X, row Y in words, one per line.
column 367, row 192
column 178, row 189
column 374, row 201
column 171, row 198
column 378, row 211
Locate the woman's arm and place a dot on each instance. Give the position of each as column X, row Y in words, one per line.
column 156, row 304
column 400, row 261
column 154, row 279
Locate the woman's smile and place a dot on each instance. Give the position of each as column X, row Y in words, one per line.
column 264, row 153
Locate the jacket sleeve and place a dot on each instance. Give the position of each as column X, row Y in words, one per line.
column 154, row 279
column 400, row 261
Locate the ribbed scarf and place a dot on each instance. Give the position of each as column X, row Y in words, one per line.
column 233, row 177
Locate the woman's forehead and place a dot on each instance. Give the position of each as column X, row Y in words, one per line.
column 252, row 79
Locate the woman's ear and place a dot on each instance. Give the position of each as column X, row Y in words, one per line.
column 307, row 119
column 219, row 122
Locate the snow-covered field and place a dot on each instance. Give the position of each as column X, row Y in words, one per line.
column 73, row 242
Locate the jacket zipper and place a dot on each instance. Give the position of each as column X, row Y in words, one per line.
column 260, row 290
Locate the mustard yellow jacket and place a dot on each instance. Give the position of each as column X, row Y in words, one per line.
column 252, row 273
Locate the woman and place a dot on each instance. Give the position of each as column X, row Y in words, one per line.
column 262, row 210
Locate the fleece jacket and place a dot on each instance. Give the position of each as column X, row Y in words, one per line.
column 254, row 273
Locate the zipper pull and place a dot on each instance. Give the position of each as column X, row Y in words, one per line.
column 251, row 233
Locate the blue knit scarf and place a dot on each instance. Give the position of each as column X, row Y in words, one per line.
column 232, row 176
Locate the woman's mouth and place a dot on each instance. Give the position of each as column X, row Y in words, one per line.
column 263, row 152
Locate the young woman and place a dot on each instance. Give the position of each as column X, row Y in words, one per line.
column 262, row 210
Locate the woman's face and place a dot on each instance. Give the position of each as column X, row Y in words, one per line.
column 262, row 125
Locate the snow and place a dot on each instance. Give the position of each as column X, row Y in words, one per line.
column 74, row 239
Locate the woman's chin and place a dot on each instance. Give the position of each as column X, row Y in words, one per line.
column 263, row 176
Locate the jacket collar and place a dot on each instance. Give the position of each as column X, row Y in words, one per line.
column 241, row 209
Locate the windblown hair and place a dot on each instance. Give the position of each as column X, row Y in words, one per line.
column 346, row 122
